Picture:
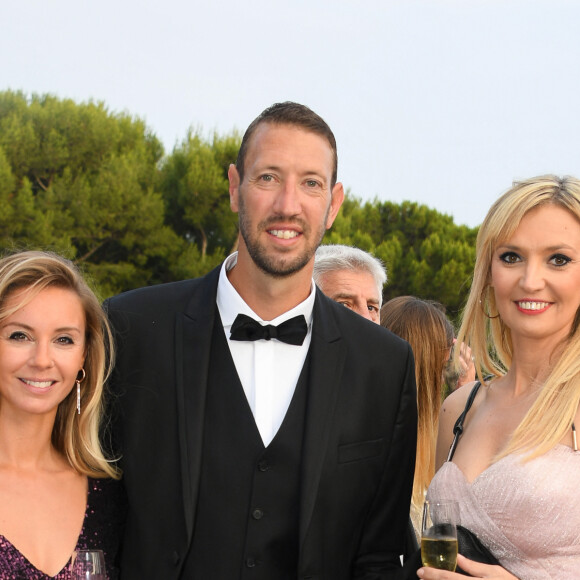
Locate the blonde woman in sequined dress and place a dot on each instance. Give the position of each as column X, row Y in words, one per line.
column 516, row 468
column 58, row 492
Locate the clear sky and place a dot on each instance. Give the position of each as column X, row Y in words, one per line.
column 443, row 102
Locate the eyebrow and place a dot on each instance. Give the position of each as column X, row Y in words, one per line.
column 344, row 295
column 268, row 168
column 27, row 327
column 278, row 168
column 548, row 249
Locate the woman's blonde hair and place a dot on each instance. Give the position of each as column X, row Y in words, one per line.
column 425, row 327
column 75, row 436
column 552, row 414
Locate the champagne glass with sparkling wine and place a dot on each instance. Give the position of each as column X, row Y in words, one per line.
column 88, row 565
column 439, row 534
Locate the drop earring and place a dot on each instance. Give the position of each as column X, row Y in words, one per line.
column 78, row 383
column 483, row 301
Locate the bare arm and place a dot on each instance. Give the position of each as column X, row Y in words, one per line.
column 451, row 408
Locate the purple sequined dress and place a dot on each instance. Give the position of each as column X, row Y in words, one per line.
column 102, row 530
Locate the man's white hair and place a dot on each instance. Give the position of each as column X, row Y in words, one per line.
column 334, row 257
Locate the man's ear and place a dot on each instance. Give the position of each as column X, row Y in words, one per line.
column 234, row 178
column 335, row 203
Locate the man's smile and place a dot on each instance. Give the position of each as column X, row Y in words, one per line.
column 284, row 234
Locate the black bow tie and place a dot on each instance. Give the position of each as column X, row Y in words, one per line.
column 293, row 331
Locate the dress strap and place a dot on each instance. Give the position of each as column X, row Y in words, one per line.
column 458, row 427
column 574, row 437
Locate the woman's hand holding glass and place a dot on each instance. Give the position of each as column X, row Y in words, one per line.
column 439, row 535
column 472, row 568
column 439, row 547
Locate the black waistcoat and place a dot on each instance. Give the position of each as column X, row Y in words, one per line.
column 247, row 511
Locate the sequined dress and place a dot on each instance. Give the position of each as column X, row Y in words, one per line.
column 527, row 514
column 102, row 530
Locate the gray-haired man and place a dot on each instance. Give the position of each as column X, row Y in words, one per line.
column 351, row 277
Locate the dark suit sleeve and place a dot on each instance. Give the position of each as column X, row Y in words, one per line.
column 385, row 528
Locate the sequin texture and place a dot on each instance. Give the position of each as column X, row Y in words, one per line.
column 102, row 528
column 527, row 513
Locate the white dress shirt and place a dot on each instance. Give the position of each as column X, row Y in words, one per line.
column 268, row 369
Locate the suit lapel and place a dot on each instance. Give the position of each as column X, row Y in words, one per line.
column 193, row 330
column 326, row 366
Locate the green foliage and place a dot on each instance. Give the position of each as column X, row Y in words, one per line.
column 425, row 253
column 194, row 182
column 97, row 187
column 7, row 206
column 83, row 181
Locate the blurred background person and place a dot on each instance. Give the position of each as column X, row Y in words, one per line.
column 460, row 371
column 424, row 325
column 351, row 277
column 57, row 489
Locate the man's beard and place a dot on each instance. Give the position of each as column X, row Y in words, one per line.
column 278, row 266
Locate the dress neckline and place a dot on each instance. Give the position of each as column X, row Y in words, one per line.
column 30, row 565
column 489, row 467
column 67, row 563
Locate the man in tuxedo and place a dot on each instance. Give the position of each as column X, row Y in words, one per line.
column 351, row 277
column 264, row 430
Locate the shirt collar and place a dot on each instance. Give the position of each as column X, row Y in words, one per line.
column 230, row 303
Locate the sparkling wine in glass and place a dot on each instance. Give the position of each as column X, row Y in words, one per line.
column 88, row 565
column 439, row 535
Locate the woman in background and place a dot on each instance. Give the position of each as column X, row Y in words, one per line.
column 57, row 489
column 515, row 471
column 425, row 327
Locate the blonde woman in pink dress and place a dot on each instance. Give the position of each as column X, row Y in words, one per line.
column 516, row 467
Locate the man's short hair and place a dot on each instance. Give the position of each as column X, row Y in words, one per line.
column 289, row 113
column 333, row 257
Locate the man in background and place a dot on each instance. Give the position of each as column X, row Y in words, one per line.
column 351, row 277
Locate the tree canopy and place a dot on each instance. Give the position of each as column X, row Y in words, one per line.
column 83, row 181
column 194, row 183
column 98, row 187
column 425, row 252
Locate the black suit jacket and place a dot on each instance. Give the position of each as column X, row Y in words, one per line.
column 359, row 441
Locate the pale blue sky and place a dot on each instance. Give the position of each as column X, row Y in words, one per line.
column 443, row 102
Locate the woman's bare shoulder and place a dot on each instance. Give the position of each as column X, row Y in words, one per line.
column 454, row 404
column 451, row 408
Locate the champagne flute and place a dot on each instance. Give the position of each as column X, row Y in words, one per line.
column 88, row 565
column 439, row 534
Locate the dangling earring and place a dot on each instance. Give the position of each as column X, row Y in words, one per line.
column 78, row 382
column 482, row 301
